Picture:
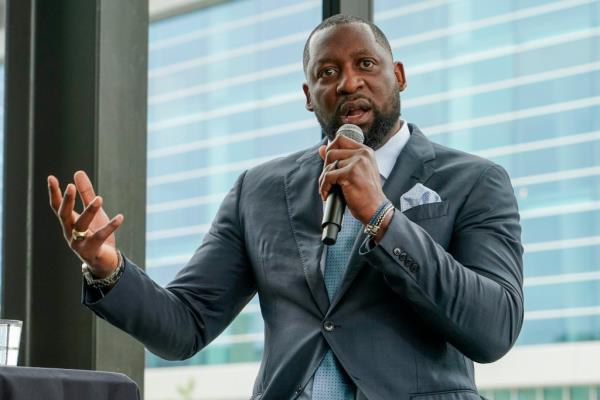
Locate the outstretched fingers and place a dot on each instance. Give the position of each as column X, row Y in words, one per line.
column 100, row 236
column 88, row 214
column 65, row 211
column 84, row 187
column 54, row 193
column 90, row 234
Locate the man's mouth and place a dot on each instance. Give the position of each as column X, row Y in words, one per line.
column 356, row 117
column 356, row 112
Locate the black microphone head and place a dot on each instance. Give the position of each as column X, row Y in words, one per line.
column 351, row 131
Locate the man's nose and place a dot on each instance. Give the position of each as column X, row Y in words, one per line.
column 349, row 83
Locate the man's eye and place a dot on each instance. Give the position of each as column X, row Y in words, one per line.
column 327, row 72
column 367, row 64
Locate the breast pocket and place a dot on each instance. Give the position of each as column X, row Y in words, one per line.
column 434, row 219
column 427, row 211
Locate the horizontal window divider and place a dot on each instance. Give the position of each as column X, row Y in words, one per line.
column 195, row 90
column 539, row 144
column 161, row 72
column 418, row 7
column 210, row 170
column 272, row 130
column 243, row 22
column 185, row 203
column 190, row 230
column 512, row 115
column 555, row 176
column 561, row 279
column 226, row 111
column 562, row 313
column 563, row 209
column 158, row 262
column 502, row 84
column 563, row 244
column 501, row 51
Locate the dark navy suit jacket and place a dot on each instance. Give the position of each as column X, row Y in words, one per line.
column 441, row 290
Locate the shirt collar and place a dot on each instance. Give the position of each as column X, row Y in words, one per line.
column 387, row 154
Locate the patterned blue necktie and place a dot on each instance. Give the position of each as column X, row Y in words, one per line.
column 330, row 382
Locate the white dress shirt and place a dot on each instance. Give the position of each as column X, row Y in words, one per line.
column 387, row 154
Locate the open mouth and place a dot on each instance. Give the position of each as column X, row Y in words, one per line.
column 356, row 116
column 356, row 113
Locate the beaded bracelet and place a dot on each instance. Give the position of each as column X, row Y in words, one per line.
column 377, row 219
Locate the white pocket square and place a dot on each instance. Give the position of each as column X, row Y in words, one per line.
column 418, row 195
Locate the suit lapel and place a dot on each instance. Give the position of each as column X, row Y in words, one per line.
column 306, row 212
column 411, row 167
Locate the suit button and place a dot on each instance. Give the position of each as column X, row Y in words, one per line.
column 329, row 326
column 397, row 251
column 299, row 389
column 403, row 257
column 413, row 267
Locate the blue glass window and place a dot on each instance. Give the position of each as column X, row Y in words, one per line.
column 517, row 82
column 225, row 93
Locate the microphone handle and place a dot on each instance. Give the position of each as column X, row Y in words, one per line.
column 333, row 214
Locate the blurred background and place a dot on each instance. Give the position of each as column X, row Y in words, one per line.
column 515, row 81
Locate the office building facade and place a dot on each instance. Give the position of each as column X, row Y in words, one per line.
column 517, row 82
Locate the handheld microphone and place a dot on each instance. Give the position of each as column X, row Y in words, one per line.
column 335, row 204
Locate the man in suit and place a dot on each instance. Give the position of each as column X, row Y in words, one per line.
column 399, row 312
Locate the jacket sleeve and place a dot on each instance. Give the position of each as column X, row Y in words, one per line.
column 471, row 294
column 178, row 321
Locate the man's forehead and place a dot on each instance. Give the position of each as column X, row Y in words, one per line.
column 355, row 39
column 335, row 33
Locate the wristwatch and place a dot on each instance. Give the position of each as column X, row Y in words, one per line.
column 104, row 282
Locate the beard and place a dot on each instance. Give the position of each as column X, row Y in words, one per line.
column 383, row 122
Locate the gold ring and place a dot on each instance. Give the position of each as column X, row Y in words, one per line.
column 78, row 236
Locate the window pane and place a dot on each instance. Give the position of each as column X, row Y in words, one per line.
column 225, row 94
column 580, row 393
column 517, row 82
column 553, row 394
column 526, row 394
column 502, row 394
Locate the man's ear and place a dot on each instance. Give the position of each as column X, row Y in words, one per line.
column 400, row 77
column 308, row 104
